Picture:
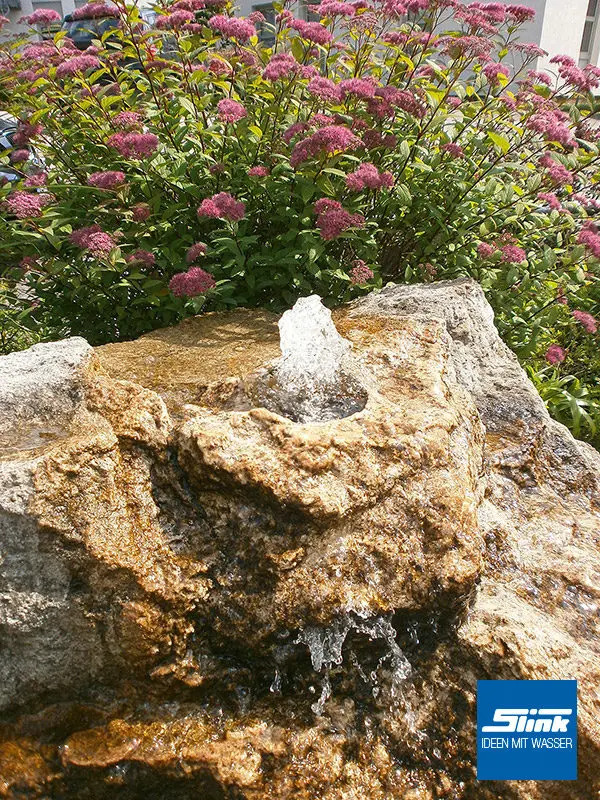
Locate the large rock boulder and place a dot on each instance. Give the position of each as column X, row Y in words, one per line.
column 202, row 597
column 371, row 513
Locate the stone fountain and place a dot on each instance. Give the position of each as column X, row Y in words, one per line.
column 230, row 570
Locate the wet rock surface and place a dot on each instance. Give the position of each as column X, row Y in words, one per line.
column 203, row 598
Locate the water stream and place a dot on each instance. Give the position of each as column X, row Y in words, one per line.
column 326, row 646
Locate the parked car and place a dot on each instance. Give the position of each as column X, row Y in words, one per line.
column 8, row 128
column 83, row 31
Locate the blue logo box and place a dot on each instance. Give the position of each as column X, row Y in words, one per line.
column 527, row 730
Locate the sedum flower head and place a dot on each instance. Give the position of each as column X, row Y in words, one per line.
column 192, row 283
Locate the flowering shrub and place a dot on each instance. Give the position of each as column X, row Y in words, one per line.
column 188, row 167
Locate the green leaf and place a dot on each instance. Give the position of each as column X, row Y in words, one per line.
column 184, row 102
column 500, row 141
column 297, row 49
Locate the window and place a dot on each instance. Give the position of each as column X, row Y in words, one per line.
column 589, row 30
column 304, row 11
column 266, row 34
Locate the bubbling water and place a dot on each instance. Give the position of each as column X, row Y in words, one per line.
column 312, row 350
column 311, row 381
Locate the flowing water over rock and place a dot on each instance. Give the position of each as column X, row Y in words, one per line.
column 326, row 650
column 214, row 587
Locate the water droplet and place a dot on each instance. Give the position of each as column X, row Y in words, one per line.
column 276, row 685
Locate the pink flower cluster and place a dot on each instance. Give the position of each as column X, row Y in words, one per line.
column 36, row 180
column 17, row 156
column 555, row 354
column 520, row 13
column 557, row 172
column 26, row 76
column 176, row 20
column 281, row 65
column 333, row 8
column 95, row 11
column 511, row 254
column 222, row 206
column 77, row 64
column 194, row 252
column 363, row 88
column 43, row 16
column 407, row 101
column 493, row 72
column 258, row 172
column 232, row 27
column 294, row 130
column 42, row 52
column 476, row 19
column 230, row 110
column 127, row 120
column 333, row 220
column 453, row 149
column 190, row 5
column 219, row 67
column 590, row 238
column 134, row 145
column 367, row 176
column 373, row 138
column 395, row 38
column 325, row 89
column 553, row 124
column 584, row 79
column 25, row 205
column 161, row 63
column 496, row 12
column 529, row 49
column 587, row 321
column 326, row 140
column 141, row 212
column 476, row 47
column 191, row 283
column 393, row 9
column 551, row 200
column 25, row 132
column 144, row 257
column 485, row 250
column 312, row 31
column 360, row 273
column 247, row 58
column 106, row 180
column 94, row 239
column 534, row 77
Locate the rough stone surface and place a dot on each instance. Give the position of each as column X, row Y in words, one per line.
column 168, row 550
column 371, row 513
column 79, row 541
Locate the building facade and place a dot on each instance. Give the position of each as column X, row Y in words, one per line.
column 569, row 27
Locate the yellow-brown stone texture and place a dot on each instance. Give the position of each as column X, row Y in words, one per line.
column 169, row 550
